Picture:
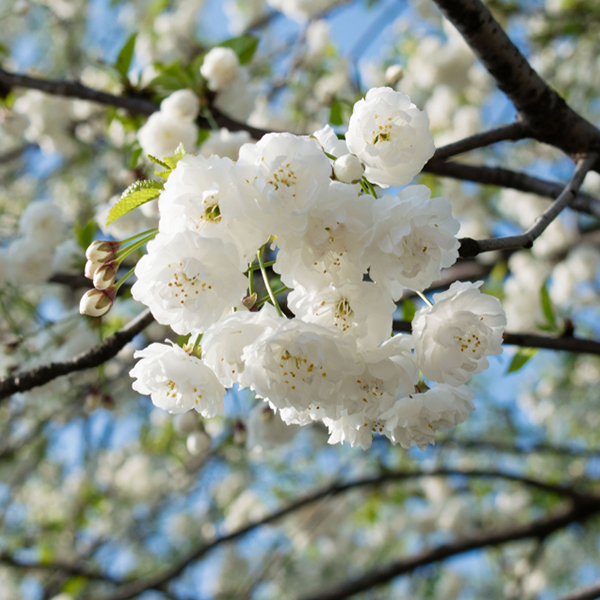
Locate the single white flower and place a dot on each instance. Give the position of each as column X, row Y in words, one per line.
column 300, row 10
column 162, row 134
column 413, row 240
column 348, row 168
column 390, row 136
column 455, row 335
column 414, row 419
column 201, row 195
column 330, row 142
column 393, row 74
column 188, row 281
column 42, row 222
column 220, row 68
column 223, row 342
column 302, row 366
column 176, row 381
column 225, row 143
column 67, row 257
column 182, row 104
column 238, row 98
column 29, row 261
column 332, row 247
column 280, row 179
column 357, row 308
column 266, row 430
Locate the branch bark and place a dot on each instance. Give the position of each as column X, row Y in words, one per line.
column 135, row 588
column 589, row 593
column 547, row 115
column 536, row 529
column 529, row 340
column 470, row 248
column 27, row 380
column 510, row 179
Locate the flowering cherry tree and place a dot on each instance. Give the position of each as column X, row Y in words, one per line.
column 284, row 320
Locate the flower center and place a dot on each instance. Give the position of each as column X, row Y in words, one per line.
column 284, row 175
column 471, row 343
column 298, row 368
column 186, row 282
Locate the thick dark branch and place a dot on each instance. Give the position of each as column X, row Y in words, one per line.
column 588, row 593
column 159, row 581
column 15, row 153
column 470, row 248
column 510, row 179
column 516, row 448
column 550, row 119
column 528, row 340
column 485, row 539
column 133, row 105
column 513, row 132
column 21, row 382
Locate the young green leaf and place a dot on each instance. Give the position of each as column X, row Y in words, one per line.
column 336, row 116
column 409, row 309
column 244, row 46
column 135, row 157
column 520, row 358
column 135, row 195
column 125, row 56
column 171, row 161
column 547, row 307
column 157, row 161
column 84, row 234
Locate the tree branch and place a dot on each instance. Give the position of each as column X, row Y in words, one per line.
column 529, row 340
column 470, row 248
column 510, row 179
column 131, row 590
column 21, row 382
column 588, row 593
column 536, row 529
column 133, row 105
column 547, row 115
column 512, row 132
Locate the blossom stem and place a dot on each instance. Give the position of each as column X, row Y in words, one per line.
column 282, row 289
column 146, row 233
column 263, row 270
column 122, row 254
column 257, row 267
column 369, row 188
column 364, row 187
column 124, row 278
column 423, row 297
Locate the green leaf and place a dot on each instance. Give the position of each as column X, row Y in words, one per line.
column 74, row 585
column 163, row 174
column 4, row 49
column 336, row 116
column 158, row 161
column 135, row 158
column 171, row 161
column 125, row 56
column 84, row 234
column 135, row 195
column 409, row 309
column 547, row 307
column 244, row 46
column 520, row 358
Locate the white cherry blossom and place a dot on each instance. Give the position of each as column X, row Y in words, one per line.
column 42, row 222
column 301, row 366
column 201, row 195
column 391, row 137
column 176, row 381
column 225, row 143
column 220, row 68
column 413, row 239
column 281, row 178
column 188, row 281
column 162, row 134
column 455, row 335
column 182, row 104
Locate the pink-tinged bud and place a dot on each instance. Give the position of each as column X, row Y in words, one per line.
column 105, row 275
column 91, row 266
column 96, row 303
column 102, row 250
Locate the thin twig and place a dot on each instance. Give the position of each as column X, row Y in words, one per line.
column 510, row 179
column 470, row 248
column 27, row 380
column 589, row 593
column 512, row 132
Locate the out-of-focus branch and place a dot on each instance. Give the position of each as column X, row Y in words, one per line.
column 536, row 529
column 133, row 105
column 510, row 179
column 470, row 248
column 135, row 588
column 27, row 380
column 547, row 115
column 529, row 340
column 512, row 132
column 15, row 153
column 588, row 593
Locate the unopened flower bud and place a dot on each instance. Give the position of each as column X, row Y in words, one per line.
column 91, row 266
column 101, row 250
column 348, row 169
column 105, row 275
column 198, row 443
column 249, row 301
column 220, row 68
column 394, row 74
column 96, row 303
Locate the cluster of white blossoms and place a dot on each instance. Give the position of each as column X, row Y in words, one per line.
column 345, row 254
